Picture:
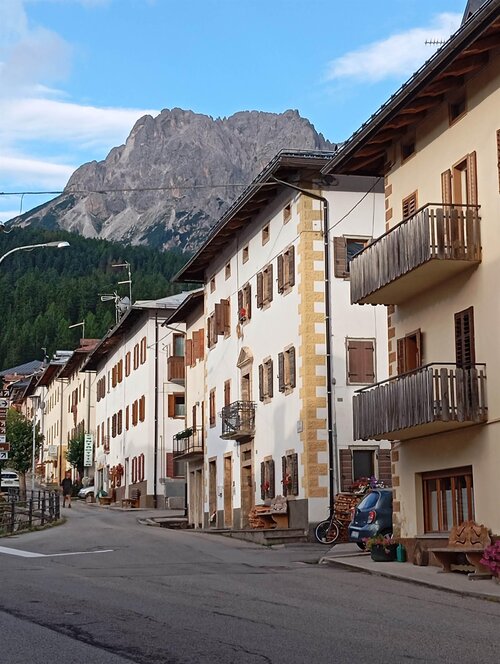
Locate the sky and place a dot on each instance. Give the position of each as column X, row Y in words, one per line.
column 75, row 75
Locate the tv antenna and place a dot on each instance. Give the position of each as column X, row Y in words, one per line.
column 82, row 325
column 122, row 304
column 435, row 42
column 128, row 281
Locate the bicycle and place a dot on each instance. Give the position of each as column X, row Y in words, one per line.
column 328, row 531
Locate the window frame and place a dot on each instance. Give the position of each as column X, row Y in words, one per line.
column 465, row 472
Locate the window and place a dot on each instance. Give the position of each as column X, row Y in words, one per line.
column 286, row 270
column 362, row 464
column 143, row 350
column 127, row 413
column 135, row 413
column 136, row 356
column 266, row 380
column 119, row 371
column 198, row 344
column 265, row 286
column 407, row 148
column 245, row 303
column 176, row 405
column 286, row 370
column 287, row 213
column 448, row 499
column 290, row 474
column 457, row 108
column 211, row 412
column 178, row 345
column 344, row 250
column 227, row 392
column 227, row 270
column 119, row 422
column 212, row 284
column 265, row 234
column 113, row 426
column 409, row 205
column 142, row 409
column 267, row 482
column 409, row 352
column 127, row 364
column 218, row 323
column 360, row 361
column 465, row 351
column 245, row 254
column 114, row 376
column 464, row 181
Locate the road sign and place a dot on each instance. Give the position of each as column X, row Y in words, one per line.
column 4, row 403
column 4, row 447
column 4, row 456
column 4, row 394
column 3, row 438
column 88, row 450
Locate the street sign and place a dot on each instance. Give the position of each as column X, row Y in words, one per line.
column 4, row 394
column 4, row 447
column 4, row 456
column 88, row 450
column 3, row 438
column 4, row 403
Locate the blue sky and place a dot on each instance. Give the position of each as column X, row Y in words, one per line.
column 76, row 74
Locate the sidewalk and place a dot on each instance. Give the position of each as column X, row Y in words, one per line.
column 348, row 556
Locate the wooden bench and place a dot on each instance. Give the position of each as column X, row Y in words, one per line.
column 134, row 499
column 105, row 500
column 273, row 514
column 466, row 540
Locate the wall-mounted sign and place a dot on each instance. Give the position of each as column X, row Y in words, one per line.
column 88, row 450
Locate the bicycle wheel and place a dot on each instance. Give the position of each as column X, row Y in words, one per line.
column 326, row 532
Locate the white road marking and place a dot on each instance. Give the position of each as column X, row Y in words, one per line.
column 30, row 554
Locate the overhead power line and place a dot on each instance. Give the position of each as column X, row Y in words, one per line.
column 122, row 190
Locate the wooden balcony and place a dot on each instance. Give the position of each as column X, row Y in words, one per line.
column 176, row 371
column 433, row 245
column 188, row 444
column 434, row 398
column 238, row 420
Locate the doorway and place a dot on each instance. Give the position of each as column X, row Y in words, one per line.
column 228, row 491
column 212, row 493
column 247, row 483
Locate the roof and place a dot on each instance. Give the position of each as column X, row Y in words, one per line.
column 51, row 373
column 465, row 52
column 78, row 357
column 286, row 164
column 193, row 300
column 133, row 314
column 472, row 7
column 26, row 369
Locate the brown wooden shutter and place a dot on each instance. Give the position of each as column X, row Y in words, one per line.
column 240, row 302
column 227, row 393
column 200, row 352
column 291, row 266
column 127, row 417
column 219, row 318
column 409, row 206
column 345, row 465
column 340, row 257
column 170, row 464
column 446, row 187
column 269, row 287
column 283, row 475
column 291, row 365
column 261, row 382
column 401, row 352
column 384, row 467
column 281, row 282
column 193, row 418
column 294, row 472
column 472, row 198
column 248, row 300
column 209, row 332
column 197, row 343
column 213, row 330
column 270, row 378
column 262, row 480
column 464, row 338
column 171, row 406
column 260, row 290
column 281, row 371
column 227, row 316
column 189, row 352
column 271, row 478
column 361, row 361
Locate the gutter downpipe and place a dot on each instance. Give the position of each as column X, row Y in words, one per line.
column 331, row 419
column 155, row 475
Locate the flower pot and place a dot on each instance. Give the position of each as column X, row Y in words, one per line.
column 382, row 553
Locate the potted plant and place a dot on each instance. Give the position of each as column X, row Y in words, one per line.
column 382, row 548
column 491, row 559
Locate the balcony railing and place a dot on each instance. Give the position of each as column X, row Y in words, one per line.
column 434, row 398
column 238, row 420
column 188, row 443
column 176, row 371
column 436, row 243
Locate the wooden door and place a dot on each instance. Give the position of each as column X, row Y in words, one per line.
column 212, row 493
column 228, row 492
column 247, row 482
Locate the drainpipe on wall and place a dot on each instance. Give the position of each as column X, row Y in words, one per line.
column 331, row 423
column 155, row 475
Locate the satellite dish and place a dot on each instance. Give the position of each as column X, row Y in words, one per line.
column 123, row 304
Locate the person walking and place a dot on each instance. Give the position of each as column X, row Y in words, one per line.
column 67, row 486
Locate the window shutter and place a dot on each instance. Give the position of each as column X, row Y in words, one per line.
column 281, row 372
column 200, row 351
column 291, row 266
column 227, row 393
column 294, row 458
column 384, row 467
column 498, row 157
column 260, row 290
column 472, row 198
column 189, row 352
column 269, row 277
column 171, row 405
column 262, row 480
column 240, row 302
column 291, row 365
column 227, row 316
column 170, row 464
column 127, row 415
column 248, row 300
column 283, row 474
column 271, row 479
column 340, row 257
column 354, row 361
column 270, row 378
column 401, row 353
column 213, row 330
column 261, row 382
column 345, row 465
column 281, row 284
column 219, row 318
column 446, row 187
column 464, row 338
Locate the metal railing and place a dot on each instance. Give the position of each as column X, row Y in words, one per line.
column 188, row 442
column 433, row 393
column 24, row 510
column 435, row 231
column 238, row 420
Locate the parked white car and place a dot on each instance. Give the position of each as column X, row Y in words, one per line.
column 10, row 480
column 87, row 493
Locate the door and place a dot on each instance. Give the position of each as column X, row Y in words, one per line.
column 212, row 493
column 228, row 492
column 247, row 482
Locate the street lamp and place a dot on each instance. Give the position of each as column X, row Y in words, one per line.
column 35, row 404
column 57, row 245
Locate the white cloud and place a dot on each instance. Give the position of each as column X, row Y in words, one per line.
column 40, row 171
column 397, row 56
column 6, row 215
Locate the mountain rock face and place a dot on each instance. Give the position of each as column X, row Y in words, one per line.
column 185, row 166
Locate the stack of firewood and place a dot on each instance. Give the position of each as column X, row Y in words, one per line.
column 344, row 504
column 254, row 520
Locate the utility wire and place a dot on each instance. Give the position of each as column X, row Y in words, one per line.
column 125, row 189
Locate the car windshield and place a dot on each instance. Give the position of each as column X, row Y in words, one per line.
column 369, row 502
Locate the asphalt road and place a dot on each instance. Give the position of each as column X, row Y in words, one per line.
column 125, row 592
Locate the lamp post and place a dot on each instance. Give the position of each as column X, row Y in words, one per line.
column 56, row 245
column 35, row 402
